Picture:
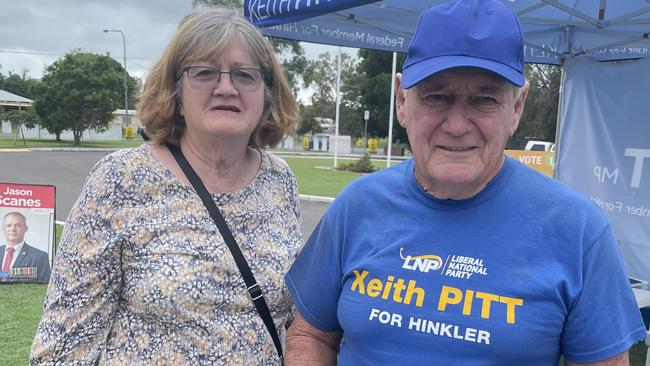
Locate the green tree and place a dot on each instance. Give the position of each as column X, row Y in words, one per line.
column 539, row 119
column 375, row 83
column 79, row 92
column 322, row 79
column 19, row 84
column 134, row 85
column 297, row 68
column 23, row 117
column 18, row 118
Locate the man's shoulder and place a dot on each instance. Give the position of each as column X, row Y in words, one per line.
column 373, row 183
column 541, row 192
column 369, row 191
column 30, row 249
column 533, row 181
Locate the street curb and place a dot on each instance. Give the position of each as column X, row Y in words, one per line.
column 74, row 149
column 306, row 197
column 16, row 150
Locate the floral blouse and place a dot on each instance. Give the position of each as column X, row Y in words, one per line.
column 143, row 276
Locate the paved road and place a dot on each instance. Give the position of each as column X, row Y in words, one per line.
column 67, row 170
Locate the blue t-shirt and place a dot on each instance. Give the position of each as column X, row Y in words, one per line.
column 519, row 274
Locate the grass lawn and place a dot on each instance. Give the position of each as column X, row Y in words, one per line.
column 20, row 311
column 316, row 176
column 8, row 143
column 316, row 179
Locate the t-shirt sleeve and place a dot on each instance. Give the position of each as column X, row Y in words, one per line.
column 315, row 279
column 603, row 320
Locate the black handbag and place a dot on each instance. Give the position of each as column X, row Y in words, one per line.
column 254, row 290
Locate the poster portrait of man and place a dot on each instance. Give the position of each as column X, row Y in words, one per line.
column 27, row 238
column 22, row 260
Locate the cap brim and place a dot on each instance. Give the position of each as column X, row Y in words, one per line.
column 415, row 73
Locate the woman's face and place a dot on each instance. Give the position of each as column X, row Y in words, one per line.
column 223, row 105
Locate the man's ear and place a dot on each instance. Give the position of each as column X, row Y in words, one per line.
column 400, row 99
column 519, row 108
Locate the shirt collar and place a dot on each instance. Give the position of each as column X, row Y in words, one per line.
column 18, row 247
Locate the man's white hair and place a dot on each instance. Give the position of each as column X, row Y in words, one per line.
column 518, row 90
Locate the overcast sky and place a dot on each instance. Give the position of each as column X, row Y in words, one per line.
column 35, row 33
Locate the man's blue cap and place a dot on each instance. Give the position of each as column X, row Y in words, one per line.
column 466, row 33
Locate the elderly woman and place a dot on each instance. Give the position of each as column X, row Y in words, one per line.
column 142, row 275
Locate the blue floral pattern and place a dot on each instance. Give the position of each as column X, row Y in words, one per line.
column 143, row 276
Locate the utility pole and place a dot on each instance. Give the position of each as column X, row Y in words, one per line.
column 126, row 87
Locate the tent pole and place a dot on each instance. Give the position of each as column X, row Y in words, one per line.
column 338, row 102
column 558, row 123
column 390, row 113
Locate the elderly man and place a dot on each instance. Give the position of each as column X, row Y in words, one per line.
column 461, row 256
column 23, row 261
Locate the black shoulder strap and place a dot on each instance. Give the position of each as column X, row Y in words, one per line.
column 254, row 290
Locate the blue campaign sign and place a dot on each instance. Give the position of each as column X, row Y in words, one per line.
column 553, row 30
column 605, row 148
column 267, row 13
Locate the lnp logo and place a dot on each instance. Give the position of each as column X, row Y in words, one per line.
column 422, row 263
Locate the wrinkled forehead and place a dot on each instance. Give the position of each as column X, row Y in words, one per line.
column 466, row 78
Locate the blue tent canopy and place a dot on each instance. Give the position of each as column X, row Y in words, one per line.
column 553, row 29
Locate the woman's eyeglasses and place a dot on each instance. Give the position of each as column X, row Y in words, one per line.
column 207, row 78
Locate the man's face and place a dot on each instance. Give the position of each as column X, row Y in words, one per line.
column 14, row 229
column 458, row 122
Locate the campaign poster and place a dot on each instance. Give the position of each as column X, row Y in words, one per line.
column 605, row 148
column 27, row 239
column 542, row 161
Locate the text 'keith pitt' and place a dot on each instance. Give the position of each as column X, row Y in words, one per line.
column 449, row 299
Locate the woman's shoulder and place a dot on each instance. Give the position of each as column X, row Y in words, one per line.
column 120, row 164
column 275, row 163
column 128, row 156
